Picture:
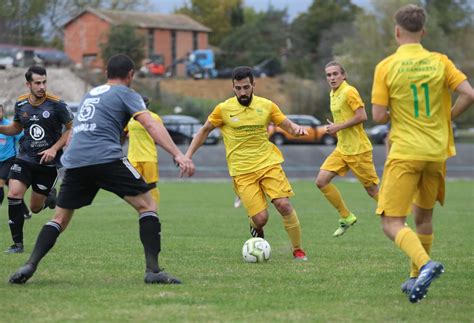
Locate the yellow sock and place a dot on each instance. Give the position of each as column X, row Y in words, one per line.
column 426, row 241
column 408, row 241
column 376, row 197
column 293, row 228
column 332, row 194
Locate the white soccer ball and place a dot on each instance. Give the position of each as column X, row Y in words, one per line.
column 256, row 250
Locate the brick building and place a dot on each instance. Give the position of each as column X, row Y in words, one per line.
column 172, row 36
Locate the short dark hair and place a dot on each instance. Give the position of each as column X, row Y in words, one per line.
column 410, row 17
column 242, row 72
column 35, row 69
column 118, row 66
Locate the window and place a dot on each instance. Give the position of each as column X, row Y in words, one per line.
column 195, row 40
column 151, row 42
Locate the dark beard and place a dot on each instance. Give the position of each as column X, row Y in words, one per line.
column 245, row 101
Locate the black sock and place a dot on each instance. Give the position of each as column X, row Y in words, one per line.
column 150, row 235
column 16, row 219
column 25, row 211
column 2, row 195
column 45, row 241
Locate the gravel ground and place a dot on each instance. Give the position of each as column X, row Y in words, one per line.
column 61, row 82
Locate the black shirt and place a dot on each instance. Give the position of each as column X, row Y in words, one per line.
column 42, row 124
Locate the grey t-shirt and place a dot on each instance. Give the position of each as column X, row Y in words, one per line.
column 98, row 126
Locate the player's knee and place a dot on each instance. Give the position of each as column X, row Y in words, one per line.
column 283, row 205
column 372, row 190
column 260, row 219
column 15, row 195
column 321, row 182
column 35, row 209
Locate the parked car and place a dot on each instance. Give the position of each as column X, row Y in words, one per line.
column 378, row 133
column 183, row 128
column 269, row 67
column 316, row 132
column 53, row 57
column 6, row 61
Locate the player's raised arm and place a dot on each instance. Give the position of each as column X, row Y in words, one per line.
column 293, row 128
column 199, row 138
column 161, row 136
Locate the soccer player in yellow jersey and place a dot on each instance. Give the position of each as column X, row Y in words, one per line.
column 353, row 150
column 411, row 89
column 142, row 152
column 254, row 162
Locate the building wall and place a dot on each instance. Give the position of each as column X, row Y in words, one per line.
column 203, row 40
column 184, row 45
column 83, row 37
column 163, row 45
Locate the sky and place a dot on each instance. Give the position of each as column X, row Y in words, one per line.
column 294, row 7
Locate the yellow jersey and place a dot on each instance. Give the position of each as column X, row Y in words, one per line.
column 345, row 100
column 141, row 147
column 415, row 85
column 244, row 130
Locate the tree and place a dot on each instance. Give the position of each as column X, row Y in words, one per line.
column 308, row 28
column 374, row 39
column 21, row 21
column 60, row 11
column 220, row 16
column 262, row 38
column 124, row 39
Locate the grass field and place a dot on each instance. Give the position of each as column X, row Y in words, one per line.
column 95, row 271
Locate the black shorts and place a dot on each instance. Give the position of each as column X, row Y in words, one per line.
column 41, row 178
column 80, row 185
column 5, row 167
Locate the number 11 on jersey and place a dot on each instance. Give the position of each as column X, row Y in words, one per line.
column 416, row 103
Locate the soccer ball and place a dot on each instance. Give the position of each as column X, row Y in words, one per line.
column 256, row 250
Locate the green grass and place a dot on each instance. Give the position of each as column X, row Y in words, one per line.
column 95, row 271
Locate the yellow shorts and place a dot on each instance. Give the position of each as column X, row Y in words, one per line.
column 148, row 170
column 407, row 182
column 150, row 174
column 252, row 188
column 362, row 165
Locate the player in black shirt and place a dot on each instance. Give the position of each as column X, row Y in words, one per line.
column 41, row 116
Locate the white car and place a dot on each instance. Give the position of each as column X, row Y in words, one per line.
column 6, row 62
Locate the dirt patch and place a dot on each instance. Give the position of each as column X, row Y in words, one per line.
column 65, row 84
column 221, row 89
column 61, row 82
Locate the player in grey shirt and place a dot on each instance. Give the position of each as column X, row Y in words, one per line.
column 94, row 160
column 99, row 123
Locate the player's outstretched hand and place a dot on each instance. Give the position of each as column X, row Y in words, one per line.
column 185, row 164
column 300, row 131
